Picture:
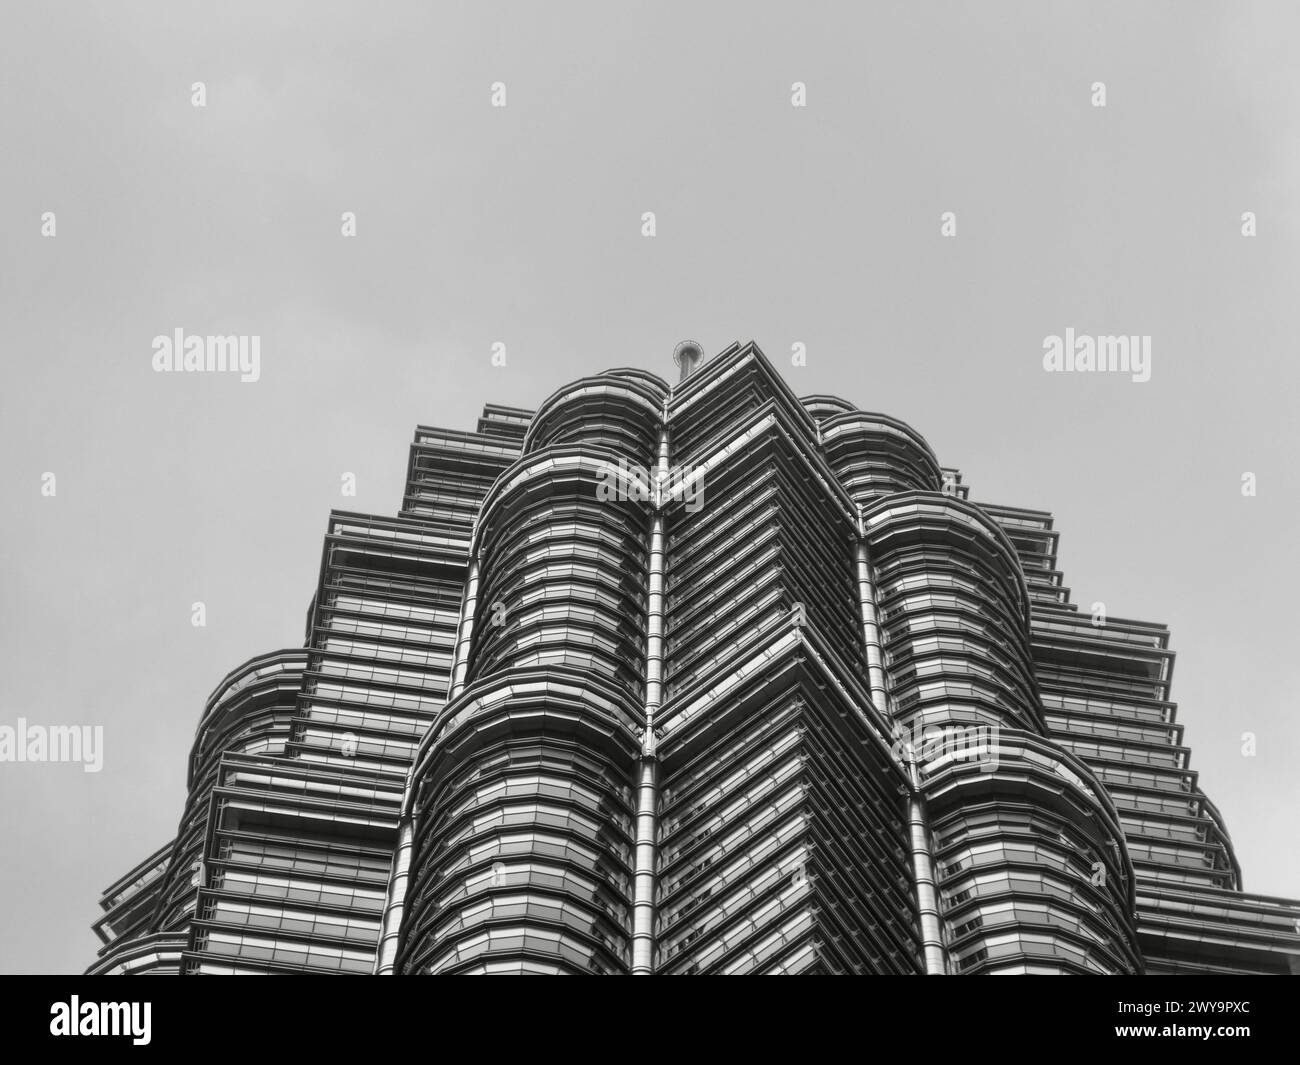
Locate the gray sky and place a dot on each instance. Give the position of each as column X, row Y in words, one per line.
column 522, row 225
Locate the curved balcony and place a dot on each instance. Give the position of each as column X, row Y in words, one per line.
column 1030, row 864
column 249, row 712
column 635, row 373
column 954, row 613
column 873, row 455
column 563, row 566
column 821, row 407
column 524, row 829
column 620, row 410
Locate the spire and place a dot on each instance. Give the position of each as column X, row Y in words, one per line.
column 688, row 355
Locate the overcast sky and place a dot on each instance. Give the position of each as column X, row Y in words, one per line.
column 523, row 225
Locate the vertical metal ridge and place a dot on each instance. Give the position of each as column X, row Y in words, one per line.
column 644, row 912
column 395, row 904
column 465, row 627
column 927, row 900
column 927, row 895
column 871, row 629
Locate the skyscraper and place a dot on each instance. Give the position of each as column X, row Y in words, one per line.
column 695, row 678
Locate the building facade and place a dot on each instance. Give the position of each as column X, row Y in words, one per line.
column 695, row 678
